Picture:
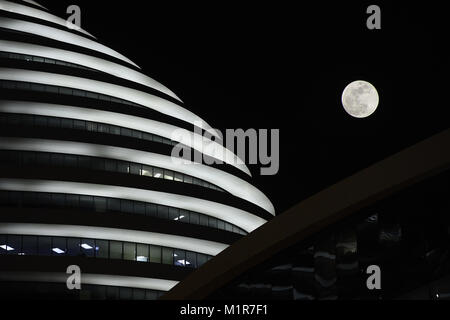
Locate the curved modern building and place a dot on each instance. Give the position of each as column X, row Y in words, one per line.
column 86, row 173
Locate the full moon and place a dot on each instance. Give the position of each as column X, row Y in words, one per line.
column 360, row 99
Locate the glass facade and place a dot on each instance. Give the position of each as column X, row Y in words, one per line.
column 104, row 204
column 29, row 158
column 25, row 245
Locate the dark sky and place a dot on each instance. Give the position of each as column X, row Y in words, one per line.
column 284, row 66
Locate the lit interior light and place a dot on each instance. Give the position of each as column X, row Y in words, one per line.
column 21, row 254
column 86, row 246
column 178, row 218
column 158, row 175
column 183, row 262
column 141, row 258
column 58, row 250
column 7, row 248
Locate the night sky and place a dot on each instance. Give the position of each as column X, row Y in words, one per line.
column 284, row 66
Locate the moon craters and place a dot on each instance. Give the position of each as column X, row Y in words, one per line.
column 360, row 99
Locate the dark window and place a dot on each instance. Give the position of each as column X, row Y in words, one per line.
column 29, row 245
column 135, row 168
column 115, row 250
column 110, row 165
column 113, row 204
column 84, row 162
column 67, row 123
column 138, row 294
column 114, row 130
column 126, row 132
column 195, row 218
column 70, row 160
column 155, row 254
column 79, row 125
column 103, row 128
column 29, row 158
column 112, row 293
column 73, row 247
column 98, row 292
column 139, row 208
column 201, row 259
column 123, row 167
column 86, row 202
column 126, row 293
column 91, row 126
column 147, row 136
column 45, row 246
column 163, row 212
column 167, row 255
column 100, row 204
column 129, row 251
column 174, row 214
column 212, row 222
column 191, row 259
column 102, row 249
column 185, row 216
column 151, row 210
column 43, row 159
column 59, row 200
column 137, row 134
column 203, row 220
column 79, row 93
column 98, row 164
column 151, row 295
column 73, row 200
column 127, row 206
column 57, row 160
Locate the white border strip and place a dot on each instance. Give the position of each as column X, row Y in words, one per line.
column 35, row 3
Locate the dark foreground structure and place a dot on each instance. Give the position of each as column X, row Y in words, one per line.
column 86, row 173
column 393, row 215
